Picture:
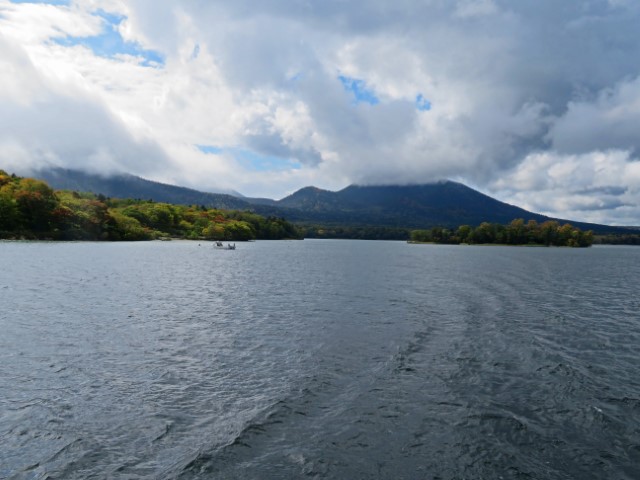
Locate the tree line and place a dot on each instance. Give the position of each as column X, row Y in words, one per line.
column 619, row 239
column 354, row 232
column 30, row 209
column 549, row 233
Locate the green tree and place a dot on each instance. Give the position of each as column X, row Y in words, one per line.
column 464, row 233
column 549, row 232
column 420, row 236
column 128, row 228
column 9, row 215
column 483, row 233
column 238, row 230
column 516, row 232
column 35, row 201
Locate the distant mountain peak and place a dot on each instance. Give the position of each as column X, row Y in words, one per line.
column 398, row 185
column 312, row 189
column 442, row 203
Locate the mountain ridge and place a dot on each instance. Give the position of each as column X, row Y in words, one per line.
column 444, row 203
column 125, row 185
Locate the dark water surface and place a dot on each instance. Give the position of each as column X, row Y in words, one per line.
column 318, row 359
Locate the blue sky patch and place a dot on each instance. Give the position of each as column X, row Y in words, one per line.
column 210, row 149
column 295, row 77
column 110, row 43
column 358, row 88
column 263, row 163
column 252, row 160
column 422, row 103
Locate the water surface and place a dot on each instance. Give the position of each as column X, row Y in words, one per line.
column 319, row 359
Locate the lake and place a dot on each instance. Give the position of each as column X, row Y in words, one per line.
column 318, row 359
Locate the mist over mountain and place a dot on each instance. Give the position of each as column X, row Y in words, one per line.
column 446, row 204
column 131, row 186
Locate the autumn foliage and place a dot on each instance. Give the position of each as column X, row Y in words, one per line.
column 549, row 233
column 30, row 209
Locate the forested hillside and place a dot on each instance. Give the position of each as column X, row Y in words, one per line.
column 129, row 186
column 549, row 233
column 30, row 209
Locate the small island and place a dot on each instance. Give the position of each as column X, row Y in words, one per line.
column 31, row 210
column 549, row 233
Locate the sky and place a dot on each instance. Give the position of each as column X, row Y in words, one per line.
column 534, row 102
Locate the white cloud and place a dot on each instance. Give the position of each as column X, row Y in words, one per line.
column 33, row 23
column 528, row 100
column 596, row 187
column 58, row 121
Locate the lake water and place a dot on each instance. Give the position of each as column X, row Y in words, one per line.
column 318, row 359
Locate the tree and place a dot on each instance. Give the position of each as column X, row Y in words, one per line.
column 215, row 231
column 516, row 232
column 237, row 230
column 464, row 233
column 35, row 202
column 128, row 228
column 9, row 215
column 420, row 236
column 532, row 231
column 566, row 235
column 484, row 233
column 549, row 232
column 30, row 208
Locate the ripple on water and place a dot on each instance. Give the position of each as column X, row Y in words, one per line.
column 325, row 359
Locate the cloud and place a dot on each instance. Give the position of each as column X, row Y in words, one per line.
column 527, row 100
column 601, row 187
column 47, row 123
column 609, row 121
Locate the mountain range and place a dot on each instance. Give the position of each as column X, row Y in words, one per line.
column 125, row 185
column 446, row 204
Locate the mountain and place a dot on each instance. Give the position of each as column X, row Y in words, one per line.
column 131, row 186
column 446, row 204
column 312, row 198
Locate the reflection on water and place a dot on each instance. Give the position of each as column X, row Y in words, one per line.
column 328, row 359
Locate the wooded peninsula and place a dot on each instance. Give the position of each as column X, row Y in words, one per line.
column 549, row 233
column 31, row 210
